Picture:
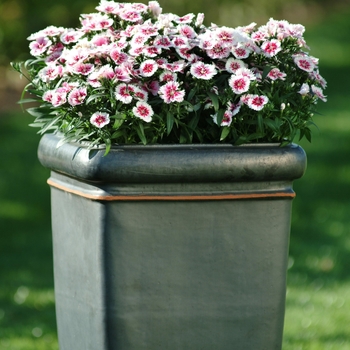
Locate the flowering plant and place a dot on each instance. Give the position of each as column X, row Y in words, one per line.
column 131, row 74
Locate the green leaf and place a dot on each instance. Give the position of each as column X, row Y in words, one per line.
column 220, row 116
column 50, row 125
column 39, row 111
column 307, row 133
column 214, row 100
column 224, row 133
column 95, row 96
column 260, row 123
column 197, row 107
column 27, row 100
column 191, row 94
column 169, row 122
column 108, row 146
column 141, row 133
column 116, row 135
column 118, row 123
column 194, row 122
column 199, row 135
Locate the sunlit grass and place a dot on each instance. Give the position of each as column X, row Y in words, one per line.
column 318, row 317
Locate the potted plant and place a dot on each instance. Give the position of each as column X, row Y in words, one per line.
column 172, row 168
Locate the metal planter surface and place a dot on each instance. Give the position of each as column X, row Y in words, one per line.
column 171, row 247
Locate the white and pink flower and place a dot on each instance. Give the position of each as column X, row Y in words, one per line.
column 171, row 92
column 118, row 56
column 71, row 36
column 239, row 84
column 167, row 76
column 155, row 8
column 51, row 31
column 143, row 111
column 39, row 46
column 219, row 50
column 226, row 120
column 153, row 87
column 58, row 97
column 47, row 96
column 233, row 64
column 83, row 68
column 151, row 51
column 122, row 73
column 140, row 93
column 162, row 42
column 185, row 19
column 225, row 35
column 234, row 108
column 123, row 93
column 304, row 62
column 257, row 102
column 240, row 52
column 100, row 40
column 50, row 72
column 275, row 74
column 271, row 47
column 100, row 119
column 148, row 68
column 203, row 71
column 319, row 93
column 187, row 31
column 77, row 96
column 108, row 7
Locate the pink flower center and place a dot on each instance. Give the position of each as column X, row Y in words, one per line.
column 239, row 84
column 271, row 47
column 305, row 64
column 143, row 111
column 258, row 101
column 148, row 68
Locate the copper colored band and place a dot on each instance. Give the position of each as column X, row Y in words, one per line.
column 165, row 197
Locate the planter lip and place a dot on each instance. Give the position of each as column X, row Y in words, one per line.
column 188, row 163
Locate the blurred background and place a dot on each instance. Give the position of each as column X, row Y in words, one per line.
column 318, row 294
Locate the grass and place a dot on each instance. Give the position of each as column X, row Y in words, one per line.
column 27, row 315
column 318, row 295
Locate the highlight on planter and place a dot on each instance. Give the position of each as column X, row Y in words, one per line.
column 131, row 74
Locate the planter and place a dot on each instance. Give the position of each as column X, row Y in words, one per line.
column 171, row 247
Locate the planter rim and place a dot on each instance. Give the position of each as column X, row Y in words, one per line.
column 188, row 163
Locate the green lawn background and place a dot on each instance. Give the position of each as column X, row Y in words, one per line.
column 318, row 293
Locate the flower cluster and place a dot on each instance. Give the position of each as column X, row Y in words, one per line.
column 131, row 74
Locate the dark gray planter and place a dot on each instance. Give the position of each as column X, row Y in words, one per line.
column 171, row 247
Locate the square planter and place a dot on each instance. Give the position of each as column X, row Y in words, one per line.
column 171, row 247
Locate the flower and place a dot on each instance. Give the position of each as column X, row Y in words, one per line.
column 99, row 119
column 271, row 47
column 148, row 68
column 239, row 84
column 170, row 92
column 164, row 78
column 143, row 111
column 257, row 102
column 204, row 71
column 77, row 96
column 304, row 62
